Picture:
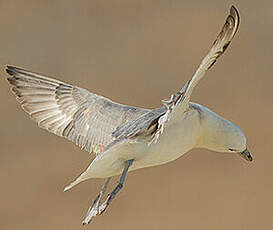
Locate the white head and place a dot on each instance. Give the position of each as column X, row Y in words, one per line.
column 221, row 135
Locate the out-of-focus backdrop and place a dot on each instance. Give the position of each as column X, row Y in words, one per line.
column 138, row 52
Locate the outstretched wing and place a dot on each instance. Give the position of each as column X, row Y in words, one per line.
column 179, row 102
column 69, row 111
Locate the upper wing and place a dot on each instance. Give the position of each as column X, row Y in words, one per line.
column 69, row 111
column 179, row 102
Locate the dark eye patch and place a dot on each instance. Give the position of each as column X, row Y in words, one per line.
column 233, row 150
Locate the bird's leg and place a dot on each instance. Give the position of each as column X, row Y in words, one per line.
column 112, row 195
column 93, row 209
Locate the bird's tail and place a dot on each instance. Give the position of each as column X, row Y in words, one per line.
column 80, row 179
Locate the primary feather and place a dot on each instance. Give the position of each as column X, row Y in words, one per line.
column 69, row 111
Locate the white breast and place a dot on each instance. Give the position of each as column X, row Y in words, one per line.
column 178, row 138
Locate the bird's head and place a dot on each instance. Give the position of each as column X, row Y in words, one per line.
column 221, row 135
column 235, row 141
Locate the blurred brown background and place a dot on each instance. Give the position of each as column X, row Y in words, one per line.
column 138, row 52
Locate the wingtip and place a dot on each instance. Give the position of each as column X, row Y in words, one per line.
column 11, row 70
column 234, row 9
column 234, row 12
column 7, row 66
column 229, row 29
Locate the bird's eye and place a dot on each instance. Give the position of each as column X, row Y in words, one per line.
column 233, row 150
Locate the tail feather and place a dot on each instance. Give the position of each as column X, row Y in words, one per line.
column 74, row 183
column 79, row 179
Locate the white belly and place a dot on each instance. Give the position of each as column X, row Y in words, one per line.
column 176, row 140
column 179, row 137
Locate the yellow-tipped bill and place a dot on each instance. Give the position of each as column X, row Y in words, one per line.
column 246, row 155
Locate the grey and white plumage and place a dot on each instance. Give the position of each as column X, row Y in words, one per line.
column 178, row 102
column 117, row 133
column 69, row 111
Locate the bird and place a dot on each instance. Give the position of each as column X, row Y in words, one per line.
column 126, row 138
